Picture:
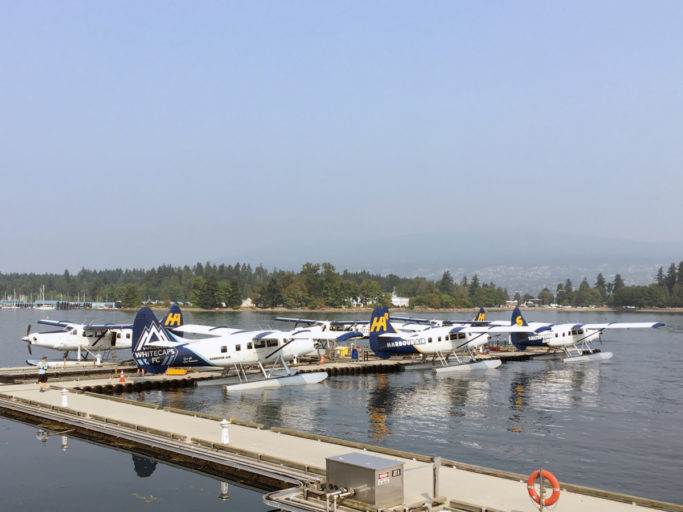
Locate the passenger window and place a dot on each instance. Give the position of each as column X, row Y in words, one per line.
column 224, row 349
column 271, row 343
column 238, row 347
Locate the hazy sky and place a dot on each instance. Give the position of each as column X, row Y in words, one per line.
column 134, row 134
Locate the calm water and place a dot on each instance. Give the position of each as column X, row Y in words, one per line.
column 615, row 425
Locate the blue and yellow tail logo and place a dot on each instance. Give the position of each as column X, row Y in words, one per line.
column 379, row 323
column 172, row 320
column 517, row 318
column 174, row 317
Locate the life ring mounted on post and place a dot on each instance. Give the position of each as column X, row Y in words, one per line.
column 531, row 488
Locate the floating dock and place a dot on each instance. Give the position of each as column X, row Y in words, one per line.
column 290, row 464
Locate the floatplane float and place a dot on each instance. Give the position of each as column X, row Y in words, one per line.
column 156, row 348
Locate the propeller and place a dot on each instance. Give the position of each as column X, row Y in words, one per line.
column 28, row 340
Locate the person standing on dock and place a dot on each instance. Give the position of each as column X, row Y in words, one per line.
column 42, row 373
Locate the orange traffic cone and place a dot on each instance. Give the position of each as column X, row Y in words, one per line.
column 322, row 359
column 121, row 378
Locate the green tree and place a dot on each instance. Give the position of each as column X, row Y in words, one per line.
column 270, row 294
column 294, row 295
column 224, row 290
column 601, row 287
column 208, row 295
column 670, row 279
column 474, row 285
column 546, row 297
column 196, row 291
column 446, row 284
column 587, row 296
column 446, row 301
column 559, row 293
column 370, row 292
column 131, row 297
column 234, row 298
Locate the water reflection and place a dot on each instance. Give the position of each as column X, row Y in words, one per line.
column 380, row 405
column 43, row 435
column 552, row 389
column 143, row 466
column 224, row 492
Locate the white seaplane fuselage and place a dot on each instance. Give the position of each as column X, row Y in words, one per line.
column 74, row 337
column 250, row 348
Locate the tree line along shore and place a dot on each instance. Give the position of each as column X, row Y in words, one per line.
column 318, row 286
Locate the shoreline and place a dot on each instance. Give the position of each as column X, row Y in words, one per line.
column 368, row 310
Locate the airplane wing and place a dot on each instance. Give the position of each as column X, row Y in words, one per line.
column 102, row 327
column 57, row 323
column 412, row 320
column 329, row 335
column 297, row 320
column 500, row 329
column 621, row 325
column 350, row 322
column 206, row 330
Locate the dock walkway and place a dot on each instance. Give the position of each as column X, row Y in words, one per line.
column 275, row 458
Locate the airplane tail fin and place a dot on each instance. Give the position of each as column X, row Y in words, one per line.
column 481, row 316
column 519, row 339
column 380, row 324
column 174, row 317
column 154, row 348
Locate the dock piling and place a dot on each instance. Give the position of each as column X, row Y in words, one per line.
column 225, row 433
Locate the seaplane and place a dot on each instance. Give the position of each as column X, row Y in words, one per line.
column 87, row 339
column 156, row 348
column 439, row 341
column 572, row 339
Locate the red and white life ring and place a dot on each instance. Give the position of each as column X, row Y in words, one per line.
column 532, row 488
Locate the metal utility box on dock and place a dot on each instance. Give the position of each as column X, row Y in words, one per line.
column 376, row 480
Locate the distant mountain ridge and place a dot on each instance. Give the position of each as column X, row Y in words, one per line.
column 524, row 262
